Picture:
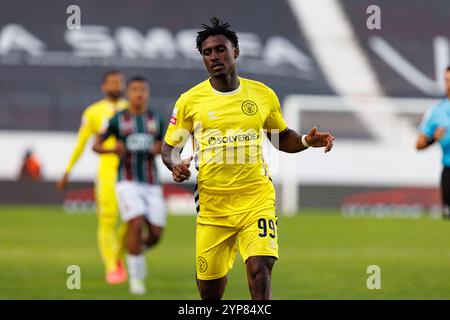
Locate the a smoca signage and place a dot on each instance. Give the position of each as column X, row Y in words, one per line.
column 125, row 46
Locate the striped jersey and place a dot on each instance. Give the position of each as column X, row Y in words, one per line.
column 138, row 133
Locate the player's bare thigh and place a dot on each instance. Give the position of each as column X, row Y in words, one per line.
column 212, row 289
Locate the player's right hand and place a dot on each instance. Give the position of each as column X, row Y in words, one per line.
column 120, row 148
column 62, row 183
column 181, row 172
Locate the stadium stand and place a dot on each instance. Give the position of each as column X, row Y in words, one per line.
column 49, row 74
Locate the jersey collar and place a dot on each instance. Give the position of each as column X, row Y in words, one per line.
column 228, row 93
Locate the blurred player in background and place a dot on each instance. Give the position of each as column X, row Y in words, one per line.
column 235, row 198
column 31, row 167
column 434, row 127
column 109, row 236
column 139, row 133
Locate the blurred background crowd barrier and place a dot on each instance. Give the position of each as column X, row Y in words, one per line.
column 369, row 87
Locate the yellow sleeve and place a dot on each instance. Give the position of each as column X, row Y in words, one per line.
column 275, row 119
column 123, row 104
column 180, row 125
column 84, row 133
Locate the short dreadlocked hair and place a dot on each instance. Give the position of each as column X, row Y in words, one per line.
column 217, row 27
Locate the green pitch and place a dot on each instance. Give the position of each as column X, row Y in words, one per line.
column 322, row 256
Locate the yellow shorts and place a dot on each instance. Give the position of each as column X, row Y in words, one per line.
column 219, row 238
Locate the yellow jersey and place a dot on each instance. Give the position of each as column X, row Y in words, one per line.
column 94, row 118
column 227, row 130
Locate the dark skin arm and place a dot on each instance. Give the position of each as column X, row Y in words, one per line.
column 61, row 184
column 119, row 148
column 422, row 140
column 172, row 159
column 291, row 142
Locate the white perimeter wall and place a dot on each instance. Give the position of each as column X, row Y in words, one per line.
column 349, row 163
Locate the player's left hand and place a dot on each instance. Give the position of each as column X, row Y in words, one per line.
column 319, row 139
column 180, row 171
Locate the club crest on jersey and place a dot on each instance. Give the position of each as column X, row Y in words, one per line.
column 151, row 126
column 126, row 127
column 212, row 141
column 249, row 107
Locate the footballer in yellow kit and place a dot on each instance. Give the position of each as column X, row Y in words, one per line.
column 109, row 236
column 227, row 116
column 234, row 189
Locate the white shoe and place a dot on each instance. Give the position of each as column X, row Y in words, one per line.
column 137, row 286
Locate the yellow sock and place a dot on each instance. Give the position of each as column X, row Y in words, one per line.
column 122, row 240
column 107, row 240
column 108, row 220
